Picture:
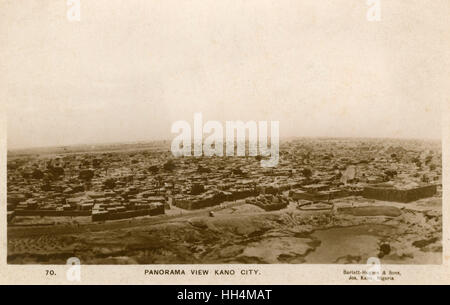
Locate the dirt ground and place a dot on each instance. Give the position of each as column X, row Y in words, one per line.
column 353, row 231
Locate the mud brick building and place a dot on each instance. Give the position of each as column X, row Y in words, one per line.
column 153, row 209
column 269, row 202
column 387, row 193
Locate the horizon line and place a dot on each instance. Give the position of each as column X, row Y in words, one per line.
column 163, row 140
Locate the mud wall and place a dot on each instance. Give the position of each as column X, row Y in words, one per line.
column 128, row 214
column 51, row 213
column 391, row 194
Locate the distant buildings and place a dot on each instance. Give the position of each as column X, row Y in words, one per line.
column 126, row 183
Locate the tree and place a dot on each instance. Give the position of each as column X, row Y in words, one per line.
column 37, row 174
column 197, row 188
column 390, row 174
column 110, row 183
column 96, row 162
column 237, row 171
column 86, row 174
column 169, row 165
column 307, row 172
column 202, row 169
column 153, row 169
column 56, row 171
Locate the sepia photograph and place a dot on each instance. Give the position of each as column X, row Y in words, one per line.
column 224, row 132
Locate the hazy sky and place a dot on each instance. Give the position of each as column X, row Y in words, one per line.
column 129, row 69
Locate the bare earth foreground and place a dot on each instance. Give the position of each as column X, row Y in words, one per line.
column 354, row 231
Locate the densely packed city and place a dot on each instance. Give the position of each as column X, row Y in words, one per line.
column 129, row 184
column 99, row 184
